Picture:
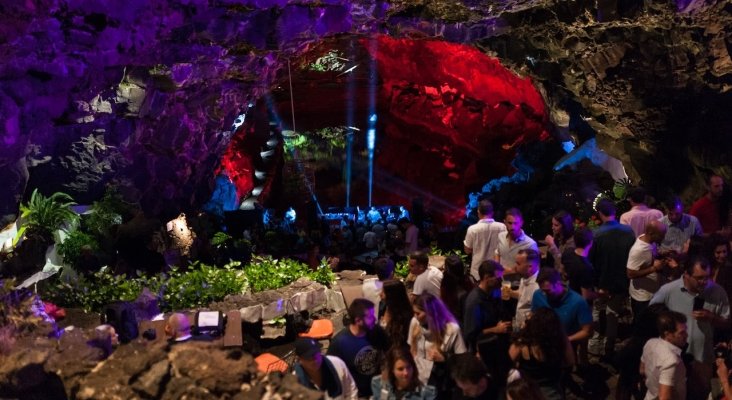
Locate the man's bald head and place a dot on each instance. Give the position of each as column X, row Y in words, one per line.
column 178, row 325
column 656, row 231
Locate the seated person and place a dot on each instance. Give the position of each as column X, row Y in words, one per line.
column 105, row 339
column 178, row 328
column 328, row 374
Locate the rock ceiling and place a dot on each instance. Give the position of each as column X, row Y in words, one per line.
column 144, row 93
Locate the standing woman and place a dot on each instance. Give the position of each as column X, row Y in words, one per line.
column 397, row 312
column 434, row 336
column 561, row 239
column 455, row 285
column 542, row 352
column 398, row 379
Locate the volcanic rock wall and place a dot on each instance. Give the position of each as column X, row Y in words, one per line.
column 143, row 93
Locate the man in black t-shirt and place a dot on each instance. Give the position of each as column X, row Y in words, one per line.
column 361, row 345
column 577, row 266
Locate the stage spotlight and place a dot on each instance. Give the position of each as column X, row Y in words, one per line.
column 266, row 154
column 261, row 175
column 257, row 190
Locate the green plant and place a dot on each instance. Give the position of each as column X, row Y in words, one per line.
column 72, row 247
column 44, row 214
column 201, row 285
column 436, row 251
column 105, row 213
column 220, row 239
column 94, row 292
column 265, row 272
column 401, row 269
column 323, row 274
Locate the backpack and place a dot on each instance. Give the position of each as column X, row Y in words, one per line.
column 121, row 315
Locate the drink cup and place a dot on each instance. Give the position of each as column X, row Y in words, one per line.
column 506, row 291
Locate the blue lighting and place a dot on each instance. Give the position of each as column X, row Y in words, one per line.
column 371, row 141
column 238, row 122
column 372, row 118
column 568, row 146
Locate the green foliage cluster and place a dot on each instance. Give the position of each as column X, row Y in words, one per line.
column 265, row 272
column 401, row 270
column 332, row 61
column 197, row 286
column 318, row 144
column 44, row 215
column 72, row 247
column 201, row 285
column 105, row 213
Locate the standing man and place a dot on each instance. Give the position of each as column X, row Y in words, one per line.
column 572, row 309
column 578, row 268
column 639, row 214
column 680, row 228
column 661, row 361
column 327, row 374
column 512, row 241
column 609, row 258
column 708, row 209
column 527, row 267
column 428, row 278
column 643, row 268
column 481, row 240
column 486, row 326
column 411, row 235
column 361, row 345
column 706, row 306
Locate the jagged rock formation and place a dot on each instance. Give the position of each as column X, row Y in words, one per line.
column 144, row 93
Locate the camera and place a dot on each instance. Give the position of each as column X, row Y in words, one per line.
column 722, row 351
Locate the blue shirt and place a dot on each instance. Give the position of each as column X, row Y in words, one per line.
column 701, row 333
column 677, row 234
column 573, row 310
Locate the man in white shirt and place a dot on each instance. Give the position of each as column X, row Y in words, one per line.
column 481, row 240
column 661, row 361
column 428, row 278
column 639, row 214
column 643, row 268
column 527, row 266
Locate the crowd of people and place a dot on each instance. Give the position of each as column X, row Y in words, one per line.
column 517, row 321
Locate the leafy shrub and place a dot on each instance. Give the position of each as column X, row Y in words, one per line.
column 105, row 213
column 201, row 285
column 323, row 274
column 198, row 286
column 265, row 272
column 220, row 239
column 44, row 214
column 401, row 270
column 71, row 248
column 96, row 291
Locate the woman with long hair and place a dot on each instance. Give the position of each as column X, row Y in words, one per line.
column 397, row 311
column 434, row 336
column 455, row 285
column 542, row 352
column 398, row 379
column 561, row 238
